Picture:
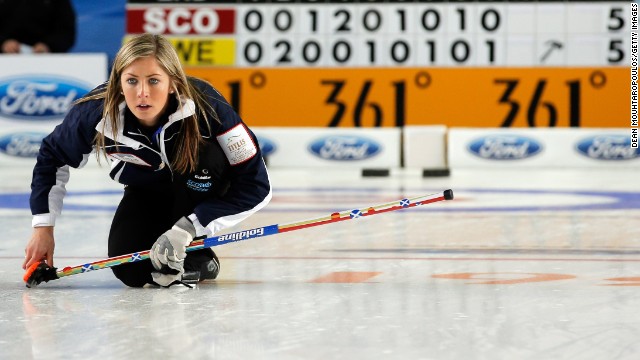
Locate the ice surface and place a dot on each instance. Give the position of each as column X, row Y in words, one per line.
column 529, row 264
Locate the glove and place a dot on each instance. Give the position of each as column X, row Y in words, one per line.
column 169, row 251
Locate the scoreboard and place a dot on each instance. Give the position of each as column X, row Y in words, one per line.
column 395, row 63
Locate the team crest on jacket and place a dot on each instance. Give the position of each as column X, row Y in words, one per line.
column 237, row 145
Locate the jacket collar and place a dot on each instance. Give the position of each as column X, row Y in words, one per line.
column 187, row 108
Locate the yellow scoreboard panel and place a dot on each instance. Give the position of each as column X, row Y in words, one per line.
column 394, row 63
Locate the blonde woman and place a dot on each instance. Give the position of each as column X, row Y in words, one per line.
column 189, row 164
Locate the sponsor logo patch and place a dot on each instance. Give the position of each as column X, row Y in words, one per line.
column 345, row 148
column 237, row 145
column 201, row 183
column 198, row 186
column 505, row 147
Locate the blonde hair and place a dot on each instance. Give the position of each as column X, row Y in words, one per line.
column 146, row 45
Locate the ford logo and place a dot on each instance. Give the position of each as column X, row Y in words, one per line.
column 267, row 146
column 608, row 147
column 505, row 147
column 23, row 144
column 38, row 97
column 342, row 147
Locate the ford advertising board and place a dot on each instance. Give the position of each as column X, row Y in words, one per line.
column 23, row 144
column 36, row 92
column 344, row 148
column 39, row 97
column 505, row 147
column 608, row 147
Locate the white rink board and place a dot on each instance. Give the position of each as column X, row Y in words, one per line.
column 36, row 92
column 330, row 147
column 425, row 146
column 36, row 88
column 556, row 148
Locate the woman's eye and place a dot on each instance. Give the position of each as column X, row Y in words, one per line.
column 132, row 81
column 154, row 81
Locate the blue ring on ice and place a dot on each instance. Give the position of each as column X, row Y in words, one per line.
column 620, row 200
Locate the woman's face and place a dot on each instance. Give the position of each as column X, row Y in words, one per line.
column 146, row 88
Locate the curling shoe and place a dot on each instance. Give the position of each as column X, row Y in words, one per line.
column 208, row 271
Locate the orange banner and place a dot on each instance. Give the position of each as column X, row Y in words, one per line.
column 473, row 97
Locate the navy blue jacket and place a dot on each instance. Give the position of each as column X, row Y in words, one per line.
column 230, row 183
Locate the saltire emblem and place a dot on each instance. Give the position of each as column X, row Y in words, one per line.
column 355, row 214
column 135, row 257
column 405, row 203
column 86, row 268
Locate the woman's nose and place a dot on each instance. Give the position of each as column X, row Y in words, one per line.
column 142, row 91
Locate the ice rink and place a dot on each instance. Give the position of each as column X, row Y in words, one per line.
column 522, row 264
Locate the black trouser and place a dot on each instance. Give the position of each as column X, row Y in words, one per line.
column 142, row 216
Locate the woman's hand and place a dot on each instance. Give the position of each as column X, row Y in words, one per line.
column 40, row 247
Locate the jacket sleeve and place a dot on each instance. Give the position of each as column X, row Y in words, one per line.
column 69, row 144
column 249, row 189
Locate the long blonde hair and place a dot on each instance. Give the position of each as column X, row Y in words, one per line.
column 145, row 45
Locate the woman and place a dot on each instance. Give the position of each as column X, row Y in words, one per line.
column 189, row 164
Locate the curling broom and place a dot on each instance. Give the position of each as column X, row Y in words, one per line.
column 39, row 272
